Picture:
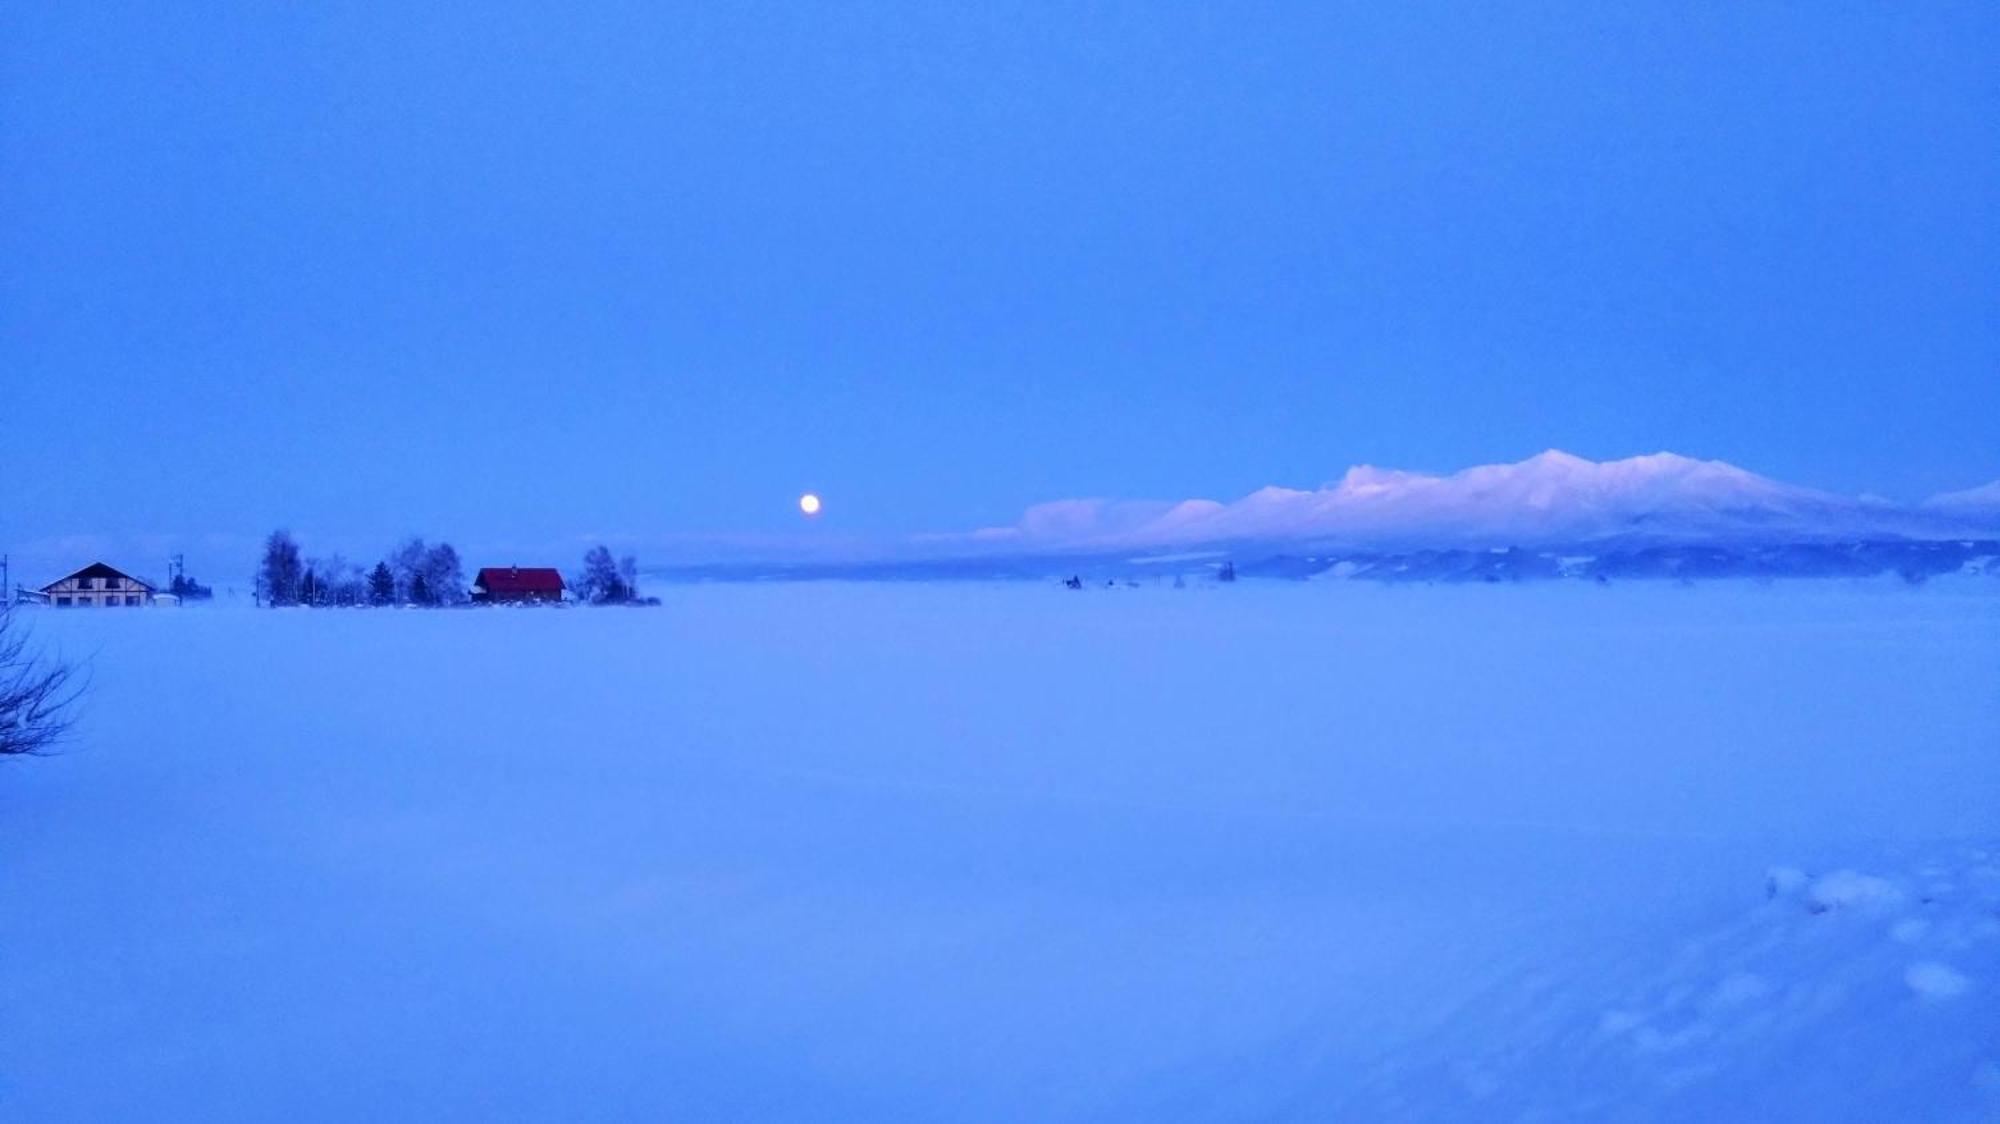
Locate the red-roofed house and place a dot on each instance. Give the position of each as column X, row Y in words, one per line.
column 500, row 584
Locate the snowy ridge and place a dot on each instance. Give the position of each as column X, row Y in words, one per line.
column 1553, row 497
column 1981, row 504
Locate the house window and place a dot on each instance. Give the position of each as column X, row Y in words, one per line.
column 62, row 602
column 131, row 599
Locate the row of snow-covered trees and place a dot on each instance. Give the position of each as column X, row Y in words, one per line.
column 413, row 574
column 416, row 574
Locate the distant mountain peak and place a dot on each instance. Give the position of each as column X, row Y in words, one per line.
column 1558, row 459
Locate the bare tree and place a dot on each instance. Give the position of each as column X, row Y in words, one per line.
column 407, row 563
column 281, row 575
column 628, row 576
column 35, row 695
column 603, row 580
column 444, row 575
column 336, row 581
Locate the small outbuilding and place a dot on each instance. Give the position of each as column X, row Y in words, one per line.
column 98, row 586
column 513, row 584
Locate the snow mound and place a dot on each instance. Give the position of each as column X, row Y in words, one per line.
column 1934, row 981
column 1847, row 889
column 1779, row 1012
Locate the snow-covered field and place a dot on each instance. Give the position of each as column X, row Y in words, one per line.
column 962, row 852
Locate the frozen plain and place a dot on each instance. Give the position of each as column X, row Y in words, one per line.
column 1008, row 852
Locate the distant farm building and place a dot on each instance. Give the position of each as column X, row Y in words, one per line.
column 506, row 584
column 98, row 586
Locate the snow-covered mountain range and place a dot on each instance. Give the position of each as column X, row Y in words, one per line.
column 1552, row 498
column 1552, row 515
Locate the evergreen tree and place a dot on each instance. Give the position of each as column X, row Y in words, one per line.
column 420, row 590
column 188, row 589
column 381, row 585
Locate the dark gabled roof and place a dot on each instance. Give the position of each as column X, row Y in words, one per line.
column 519, row 579
column 97, row 570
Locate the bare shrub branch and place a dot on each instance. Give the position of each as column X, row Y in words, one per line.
column 36, row 695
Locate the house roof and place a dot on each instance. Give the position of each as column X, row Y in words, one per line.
column 97, row 570
column 519, row 579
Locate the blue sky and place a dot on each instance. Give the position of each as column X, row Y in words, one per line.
column 509, row 274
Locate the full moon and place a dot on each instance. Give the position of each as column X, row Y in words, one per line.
column 809, row 504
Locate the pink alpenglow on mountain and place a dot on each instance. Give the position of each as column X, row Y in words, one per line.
column 1549, row 498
